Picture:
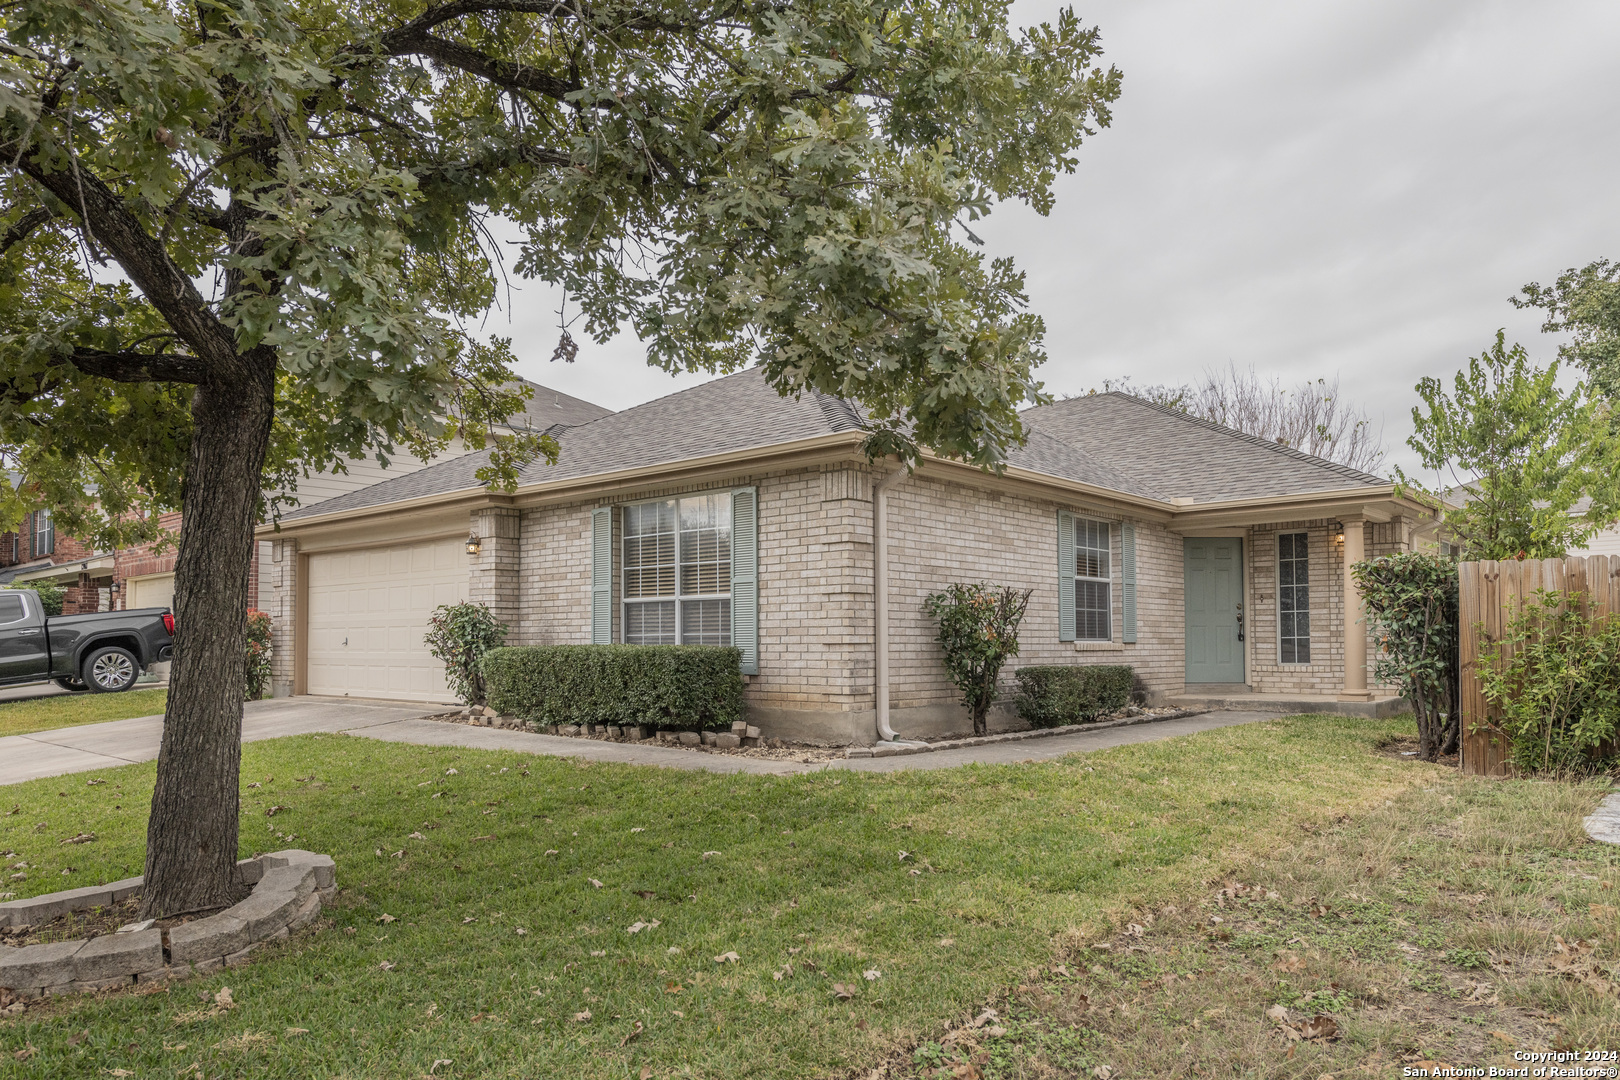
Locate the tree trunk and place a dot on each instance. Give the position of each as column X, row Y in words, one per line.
column 191, row 837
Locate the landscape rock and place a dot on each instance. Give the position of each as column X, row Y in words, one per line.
column 118, row 955
column 237, row 959
column 689, row 738
column 38, row 965
column 204, row 967
column 751, row 732
column 207, row 939
column 739, row 728
column 306, row 913
column 171, row 973
column 708, row 738
column 40, row 909
column 725, row 740
column 266, row 912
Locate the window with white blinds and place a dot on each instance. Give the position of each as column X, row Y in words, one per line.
column 677, row 571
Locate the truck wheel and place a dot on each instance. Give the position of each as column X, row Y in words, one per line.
column 72, row 686
column 110, row 669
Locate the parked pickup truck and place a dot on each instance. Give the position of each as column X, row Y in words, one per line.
column 103, row 652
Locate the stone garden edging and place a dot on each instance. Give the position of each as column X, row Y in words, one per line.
column 288, row 890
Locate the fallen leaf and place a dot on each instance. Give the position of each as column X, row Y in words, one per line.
column 26, row 1052
column 1504, row 1037
column 581, row 1017
column 646, row 1072
column 706, row 854
column 297, row 1031
column 1289, row 962
column 872, row 975
column 437, row 1063
column 1318, row 1028
column 1102, row 1072
column 416, row 836
column 552, row 851
column 904, row 855
column 386, row 918
column 400, row 854
column 223, row 999
column 388, row 965
column 594, row 883
column 633, row 1033
column 274, row 810
column 982, row 1019
column 672, row 987
column 82, row 838
column 946, row 942
column 636, row 830
column 1278, row 1013
column 490, row 836
column 638, row 926
column 452, row 772
column 842, row 992
column 521, row 932
column 727, row 958
column 1135, row 929
column 467, row 920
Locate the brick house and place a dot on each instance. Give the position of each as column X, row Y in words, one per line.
column 1210, row 561
column 143, row 576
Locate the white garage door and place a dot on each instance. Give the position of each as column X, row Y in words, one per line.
column 155, row 591
column 368, row 611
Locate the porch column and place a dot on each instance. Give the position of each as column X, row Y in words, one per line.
column 1355, row 630
column 494, row 570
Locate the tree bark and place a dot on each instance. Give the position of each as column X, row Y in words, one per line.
column 191, row 837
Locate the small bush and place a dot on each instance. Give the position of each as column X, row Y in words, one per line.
column 686, row 687
column 258, row 654
column 461, row 635
column 978, row 631
column 1411, row 601
column 1053, row 695
column 51, row 595
column 1553, row 681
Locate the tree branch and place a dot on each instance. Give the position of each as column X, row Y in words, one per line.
column 167, row 288
column 411, row 42
column 23, row 226
column 133, row 367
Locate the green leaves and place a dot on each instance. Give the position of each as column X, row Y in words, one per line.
column 1411, row 599
column 1521, row 453
column 1553, row 681
column 978, row 631
column 461, row 635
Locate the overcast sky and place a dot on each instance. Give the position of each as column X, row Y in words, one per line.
column 1316, row 189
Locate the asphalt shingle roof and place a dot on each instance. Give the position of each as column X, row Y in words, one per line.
column 1185, row 457
column 549, row 408
column 1111, row 441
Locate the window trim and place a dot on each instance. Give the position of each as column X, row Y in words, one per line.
column 625, row 602
column 1107, row 579
column 1310, row 632
column 48, row 547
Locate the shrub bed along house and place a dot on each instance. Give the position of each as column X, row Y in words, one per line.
column 685, row 687
column 1050, row 695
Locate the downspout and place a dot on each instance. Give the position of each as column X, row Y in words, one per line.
column 880, row 595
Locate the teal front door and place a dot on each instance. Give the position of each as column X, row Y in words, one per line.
column 1214, row 609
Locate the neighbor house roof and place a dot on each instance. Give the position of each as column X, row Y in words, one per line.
column 1183, row 457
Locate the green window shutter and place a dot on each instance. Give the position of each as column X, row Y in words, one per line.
column 1127, row 563
column 745, row 576
column 1065, row 576
column 602, row 576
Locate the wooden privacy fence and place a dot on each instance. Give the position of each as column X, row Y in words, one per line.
column 1489, row 596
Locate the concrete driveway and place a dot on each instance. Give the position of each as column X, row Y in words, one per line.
column 120, row 742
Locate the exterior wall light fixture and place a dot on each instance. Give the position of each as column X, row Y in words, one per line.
column 474, row 545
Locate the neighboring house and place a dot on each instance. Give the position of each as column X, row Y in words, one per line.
column 144, row 576
column 1210, row 561
column 1606, row 542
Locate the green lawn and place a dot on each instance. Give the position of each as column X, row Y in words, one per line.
column 497, row 950
column 70, row 710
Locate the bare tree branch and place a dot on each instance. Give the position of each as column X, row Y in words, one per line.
column 133, row 367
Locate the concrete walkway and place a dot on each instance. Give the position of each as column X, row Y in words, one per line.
column 120, row 742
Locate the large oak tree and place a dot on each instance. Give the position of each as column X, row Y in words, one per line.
column 245, row 238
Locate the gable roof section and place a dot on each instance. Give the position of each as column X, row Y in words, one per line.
column 550, row 408
column 1184, row 457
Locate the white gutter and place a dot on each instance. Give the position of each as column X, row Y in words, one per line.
column 880, row 594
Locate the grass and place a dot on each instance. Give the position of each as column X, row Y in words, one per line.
column 71, row 710
column 1460, row 921
column 497, row 949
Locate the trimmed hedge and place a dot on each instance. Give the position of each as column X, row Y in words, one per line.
column 687, row 687
column 1053, row 695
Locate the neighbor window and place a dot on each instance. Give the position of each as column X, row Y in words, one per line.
column 677, row 571
column 1294, row 598
column 44, row 533
column 1093, row 598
